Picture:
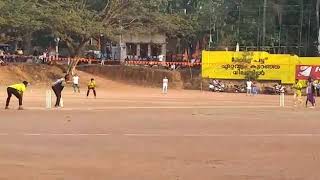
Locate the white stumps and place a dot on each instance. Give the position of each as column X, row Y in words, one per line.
column 61, row 102
column 281, row 99
column 48, row 99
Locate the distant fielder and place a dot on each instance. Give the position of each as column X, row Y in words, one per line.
column 165, row 83
column 92, row 86
column 75, row 83
column 16, row 90
column 298, row 93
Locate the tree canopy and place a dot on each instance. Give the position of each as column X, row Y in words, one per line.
column 272, row 25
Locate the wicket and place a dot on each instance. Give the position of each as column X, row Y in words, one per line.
column 48, row 99
column 281, row 99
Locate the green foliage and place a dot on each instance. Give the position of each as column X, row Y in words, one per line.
column 73, row 22
column 225, row 21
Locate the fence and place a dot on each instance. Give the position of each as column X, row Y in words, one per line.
column 34, row 59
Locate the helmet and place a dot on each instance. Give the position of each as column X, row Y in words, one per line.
column 25, row 83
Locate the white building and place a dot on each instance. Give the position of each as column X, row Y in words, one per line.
column 143, row 46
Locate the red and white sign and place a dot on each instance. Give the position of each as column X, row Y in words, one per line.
column 303, row 72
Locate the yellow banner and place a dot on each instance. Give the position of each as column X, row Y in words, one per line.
column 234, row 65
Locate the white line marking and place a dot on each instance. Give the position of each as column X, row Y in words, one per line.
column 150, row 135
column 31, row 134
column 76, row 134
column 154, row 107
column 223, row 135
column 162, row 135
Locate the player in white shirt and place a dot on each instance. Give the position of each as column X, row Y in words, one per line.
column 75, row 83
column 165, row 83
column 249, row 87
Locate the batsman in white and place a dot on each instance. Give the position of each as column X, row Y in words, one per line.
column 57, row 88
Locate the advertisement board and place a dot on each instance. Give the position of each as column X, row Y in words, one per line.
column 234, row 65
column 303, row 72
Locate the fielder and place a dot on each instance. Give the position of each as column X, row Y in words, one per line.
column 17, row 90
column 92, row 86
column 298, row 93
column 75, row 81
column 165, row 83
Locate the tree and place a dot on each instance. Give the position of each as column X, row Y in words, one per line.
column 73, row 23
column 223, row 23
column 2, row 20
column 20, row 19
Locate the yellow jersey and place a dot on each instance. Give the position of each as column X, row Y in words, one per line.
column 91, row 84
column 298, row 87
column 19, row 87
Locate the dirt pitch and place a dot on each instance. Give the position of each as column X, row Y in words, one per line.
column 131, row 133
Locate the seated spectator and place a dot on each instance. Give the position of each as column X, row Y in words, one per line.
column 254, row 89
column 173, row 67
column 20, row 52
column 215, row 82
column 2, row 63
column 1, row 54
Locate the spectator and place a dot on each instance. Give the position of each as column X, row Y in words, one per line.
column 35, row 53
column 103, row 61
column 1, row 54
column 161, row 58
column 249, row 87
column 2, row 63
column 45, row 56
column 254, row 88
column 20, row 52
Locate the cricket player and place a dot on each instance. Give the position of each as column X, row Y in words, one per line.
column 75, row 83
column 249, row 87
column 17, row 90
column 57, row 88
column 92, row 86
column 297, row 93
column 165, row 83
column 102, row 61
column 310, row 95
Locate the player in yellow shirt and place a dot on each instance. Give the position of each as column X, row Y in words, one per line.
column 297, row 93
column 17, row 90
column 92, row 86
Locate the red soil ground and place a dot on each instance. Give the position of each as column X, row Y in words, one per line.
column 137, row 133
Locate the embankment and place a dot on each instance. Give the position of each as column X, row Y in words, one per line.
column 143, row 76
